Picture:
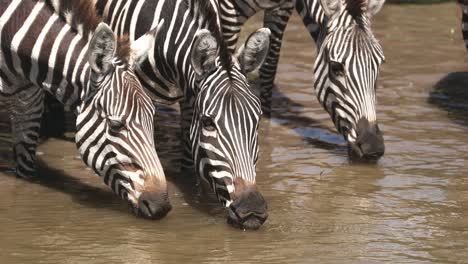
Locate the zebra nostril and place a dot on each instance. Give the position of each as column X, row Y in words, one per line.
column 154, row 205
column 246, row 220
column 248, row 211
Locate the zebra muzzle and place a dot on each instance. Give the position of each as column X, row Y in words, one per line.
column 249, row 210
column 369, row 144
column 153, row 205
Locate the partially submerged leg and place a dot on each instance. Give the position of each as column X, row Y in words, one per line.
column 186, row 109
column 276, row 20
column 53, row 122
column 26, row 114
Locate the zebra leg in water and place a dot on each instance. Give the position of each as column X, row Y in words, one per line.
column 276, row 20
column 186, row 110
column 26, row 122
column 54, row 118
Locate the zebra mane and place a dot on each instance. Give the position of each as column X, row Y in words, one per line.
column 208, row 14
column 357, row 8
column 82, row 16
column 79, row 14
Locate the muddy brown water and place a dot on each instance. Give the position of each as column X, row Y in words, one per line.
column 409, row 207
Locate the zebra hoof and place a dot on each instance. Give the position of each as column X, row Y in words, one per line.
column 23, row 174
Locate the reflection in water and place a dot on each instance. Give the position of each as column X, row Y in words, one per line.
column 411, row 206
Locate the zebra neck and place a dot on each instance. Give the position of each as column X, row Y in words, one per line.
column 313, row 17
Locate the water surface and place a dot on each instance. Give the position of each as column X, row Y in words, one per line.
column 409, row 207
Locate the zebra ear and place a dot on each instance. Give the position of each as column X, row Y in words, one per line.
column 374, row 6
column 102, row 48
column 331, row 7
column 145, row 44
column 204, row 52
column 253, row 53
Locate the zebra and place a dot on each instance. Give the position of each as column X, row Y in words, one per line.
column 348, row 97
column 62, row 48
column 220, row 113
column 464, row 21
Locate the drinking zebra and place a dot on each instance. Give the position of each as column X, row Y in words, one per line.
column 62, row 48
column 220, row 113
column 346, row 68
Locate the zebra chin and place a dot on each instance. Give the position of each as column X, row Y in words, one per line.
column 248, row 210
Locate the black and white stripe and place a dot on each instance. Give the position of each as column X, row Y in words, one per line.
column 191, row 65
column 351, row 100
column 464, row 21
column 61, row 48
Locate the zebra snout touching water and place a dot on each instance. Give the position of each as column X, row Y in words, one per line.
column 346, row 68
column 62, row 48
column 346, row 72
column 224, row 131
column 119, row 142
column 220, row 113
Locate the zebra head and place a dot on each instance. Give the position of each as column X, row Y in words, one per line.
column 224, row 128
column 346, row 72
column 115, row 124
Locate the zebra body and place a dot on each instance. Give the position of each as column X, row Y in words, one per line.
column 464, row 21
column 350, row 101
column 220, row 113
column 62, row 48
column 276, row 17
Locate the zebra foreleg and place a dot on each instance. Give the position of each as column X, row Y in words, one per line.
column 26, row 115
column 53, row 121
column 276, row 20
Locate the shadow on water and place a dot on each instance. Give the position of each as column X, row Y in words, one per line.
column 99, row 196
column 287, row 113
column 81, row 192
column 95, row 194
column 451, row 94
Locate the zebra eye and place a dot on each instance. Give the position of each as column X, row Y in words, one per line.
column 116, row 125
column 336, row 68
column 207, row 123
